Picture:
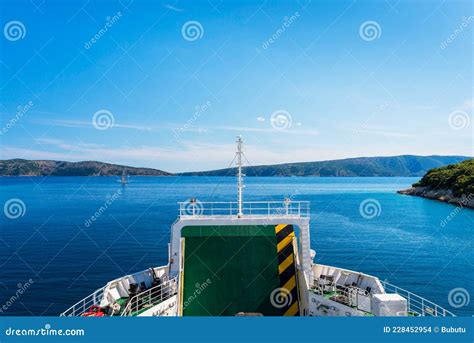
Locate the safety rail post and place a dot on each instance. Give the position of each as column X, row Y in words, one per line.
column 408, row 301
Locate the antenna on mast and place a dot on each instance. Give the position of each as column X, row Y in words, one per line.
column 240, row 175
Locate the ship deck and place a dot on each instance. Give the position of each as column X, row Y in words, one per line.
column 231, row 270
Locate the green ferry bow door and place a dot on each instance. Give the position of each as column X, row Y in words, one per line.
column 230, row 270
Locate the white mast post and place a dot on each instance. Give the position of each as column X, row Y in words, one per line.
column 240, row 176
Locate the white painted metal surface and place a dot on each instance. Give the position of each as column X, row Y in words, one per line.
column 194, row 208
column 389, row 305
column 416, row 304
column 240, row 175
column 360, row 294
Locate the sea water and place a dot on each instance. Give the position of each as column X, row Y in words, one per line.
column 68, row 236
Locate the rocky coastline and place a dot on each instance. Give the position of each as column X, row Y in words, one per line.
column 444, row 195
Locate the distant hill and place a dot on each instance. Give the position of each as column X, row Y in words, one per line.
column 18, row 167
column 405, row 165
column 453, row 183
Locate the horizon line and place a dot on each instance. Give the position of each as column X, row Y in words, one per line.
column 247, row 166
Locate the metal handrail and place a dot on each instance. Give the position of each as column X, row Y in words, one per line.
column 195, row 208
column 418, row 305
column 85, row 304
column 152, row 296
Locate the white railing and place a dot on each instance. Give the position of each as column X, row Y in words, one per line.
column 150, row 297
column 195, row 208
column 417, row 305
column 82, row 306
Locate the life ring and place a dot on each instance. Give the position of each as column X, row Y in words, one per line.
column 94, row 311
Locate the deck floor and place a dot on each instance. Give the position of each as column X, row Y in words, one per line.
column 228, row 270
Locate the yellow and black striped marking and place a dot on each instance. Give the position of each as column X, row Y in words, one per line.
column 286, row 268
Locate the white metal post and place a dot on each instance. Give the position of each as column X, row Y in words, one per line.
column 240, row 176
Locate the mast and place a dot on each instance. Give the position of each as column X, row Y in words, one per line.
column 124, row 177
column 240, row 175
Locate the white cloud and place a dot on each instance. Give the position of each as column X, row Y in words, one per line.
column 78, row 124
column 192, row 156
column 173, row 8
column 189, row 156
column 260, row 119
column 378, row 130
column 10, row 152
column 269, row 130
column 180, row 127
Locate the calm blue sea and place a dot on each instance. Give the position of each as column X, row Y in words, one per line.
column 408, row 243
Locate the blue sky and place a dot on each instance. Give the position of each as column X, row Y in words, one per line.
column 177, row 100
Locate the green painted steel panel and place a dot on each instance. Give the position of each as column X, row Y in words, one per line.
column 228, row 230
column 229, row 269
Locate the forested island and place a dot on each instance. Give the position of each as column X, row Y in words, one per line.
column 20, row 167
column 403, row 165
column 453, row 183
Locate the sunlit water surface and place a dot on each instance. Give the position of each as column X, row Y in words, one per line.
column 406, row 243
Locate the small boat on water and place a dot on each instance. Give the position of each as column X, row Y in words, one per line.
column 124, row 179
column 248, row 259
